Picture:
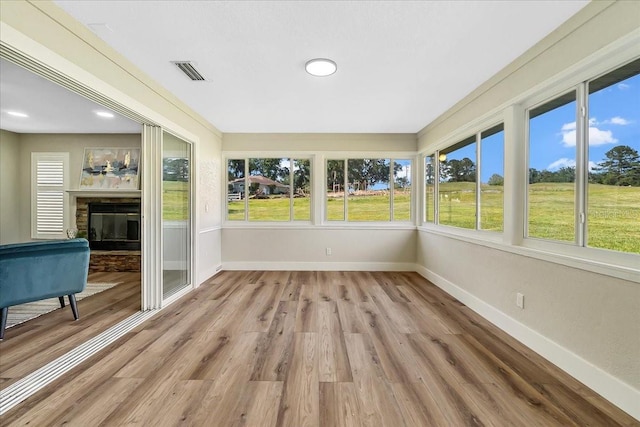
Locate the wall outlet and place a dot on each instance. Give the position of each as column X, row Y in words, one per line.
column 520, row 300
column 328, row 251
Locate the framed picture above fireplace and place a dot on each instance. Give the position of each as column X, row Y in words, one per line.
column 110, row 169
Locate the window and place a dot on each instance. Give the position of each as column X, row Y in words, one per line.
column 429, row 188
column 552, row 164
column 588, row 193
column 491, row 205
column 457, row 186
column 470, row 192
column 49, row 203
column 269, row 189
column 377, row 190
column 613, row 200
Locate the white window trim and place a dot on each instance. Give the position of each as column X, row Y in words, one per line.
column 51, row 156
column 246, row 223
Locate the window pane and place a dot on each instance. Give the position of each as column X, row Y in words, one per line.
column 552, row 164
column 402, row 190
column 302, row 190
column 269, row 189
column 429, row 187
column 457, row 189
column 235, row 189
column 613, row 220
column 335, row 190
column 492, row 179
column 369, row 198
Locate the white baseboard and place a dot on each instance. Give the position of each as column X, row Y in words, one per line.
column 208, row 273
column 611, row 388
column 320, row 266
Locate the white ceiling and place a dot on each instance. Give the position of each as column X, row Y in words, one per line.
column 400, row 63
column 50, row 107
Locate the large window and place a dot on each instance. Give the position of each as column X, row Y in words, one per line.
column 613, row 220
column 457, row 188
column 584, row 170
column 552, row 163
column 269, row 189
column 376, row 190
column 468, row 179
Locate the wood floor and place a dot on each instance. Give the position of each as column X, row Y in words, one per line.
column 30, row 345
column 316, row 349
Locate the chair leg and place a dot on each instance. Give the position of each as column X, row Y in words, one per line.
column 3, row 324
column 74, row 306
column 61, row 299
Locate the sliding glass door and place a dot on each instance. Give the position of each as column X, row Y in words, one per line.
column 176, row 214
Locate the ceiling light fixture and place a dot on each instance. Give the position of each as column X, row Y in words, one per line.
column 17, row 114
column 320, row 67
column 105, row 114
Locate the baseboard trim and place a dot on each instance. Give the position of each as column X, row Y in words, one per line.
column 611, row 388
column 320, row 266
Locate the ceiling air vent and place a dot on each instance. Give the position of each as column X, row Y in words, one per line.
column 188, row 68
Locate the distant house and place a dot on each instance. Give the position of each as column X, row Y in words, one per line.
column 264, row 186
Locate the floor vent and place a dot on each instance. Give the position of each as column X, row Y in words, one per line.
column 26, row 387
column 188, row 68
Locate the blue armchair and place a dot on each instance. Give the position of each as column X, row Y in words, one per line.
column 35, row 271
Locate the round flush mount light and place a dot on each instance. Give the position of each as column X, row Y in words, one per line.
column 105, row 114
column 17, row 114
column 442, row 157
column 320, row 67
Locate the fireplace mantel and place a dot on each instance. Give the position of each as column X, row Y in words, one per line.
column 106, row 193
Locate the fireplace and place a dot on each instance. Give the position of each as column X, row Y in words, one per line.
column 114, row 226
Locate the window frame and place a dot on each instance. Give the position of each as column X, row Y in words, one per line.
column 246, row 156
column 392, row 157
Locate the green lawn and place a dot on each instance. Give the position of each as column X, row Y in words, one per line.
column 175, row 200
column 614, row 212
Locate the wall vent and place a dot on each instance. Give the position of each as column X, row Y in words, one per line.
column 188, row 68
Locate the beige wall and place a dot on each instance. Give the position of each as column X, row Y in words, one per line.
column 305, row 249
column 9, row 188
column 592, row 316
column 74, row 144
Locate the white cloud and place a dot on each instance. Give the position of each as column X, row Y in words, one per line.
column 596, row 137
column 568, row 163
column 562, row 163
column 568, row 126
column 618, row 121
column 624, row 86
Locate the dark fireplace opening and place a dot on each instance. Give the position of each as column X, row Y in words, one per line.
column 114, row 226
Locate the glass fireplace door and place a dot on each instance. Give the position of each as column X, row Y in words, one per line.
column 176, row 214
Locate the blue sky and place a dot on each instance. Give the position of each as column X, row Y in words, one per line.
column 614, row 120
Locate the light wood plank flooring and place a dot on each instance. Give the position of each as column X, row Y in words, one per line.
column 316, row 349
column 32, row 344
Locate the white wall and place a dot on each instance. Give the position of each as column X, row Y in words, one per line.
column 585, row 322
column 10, row 218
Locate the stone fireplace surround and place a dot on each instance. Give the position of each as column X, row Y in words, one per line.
column 113, row 261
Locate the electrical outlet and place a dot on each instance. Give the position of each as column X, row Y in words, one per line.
column 328, row 251
column 520, row 300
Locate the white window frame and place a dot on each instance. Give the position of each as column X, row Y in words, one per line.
column 36, row 159
column 267, row 155
column 392, row 159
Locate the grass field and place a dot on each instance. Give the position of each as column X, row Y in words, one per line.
column 175, row 200
column 614, row 212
